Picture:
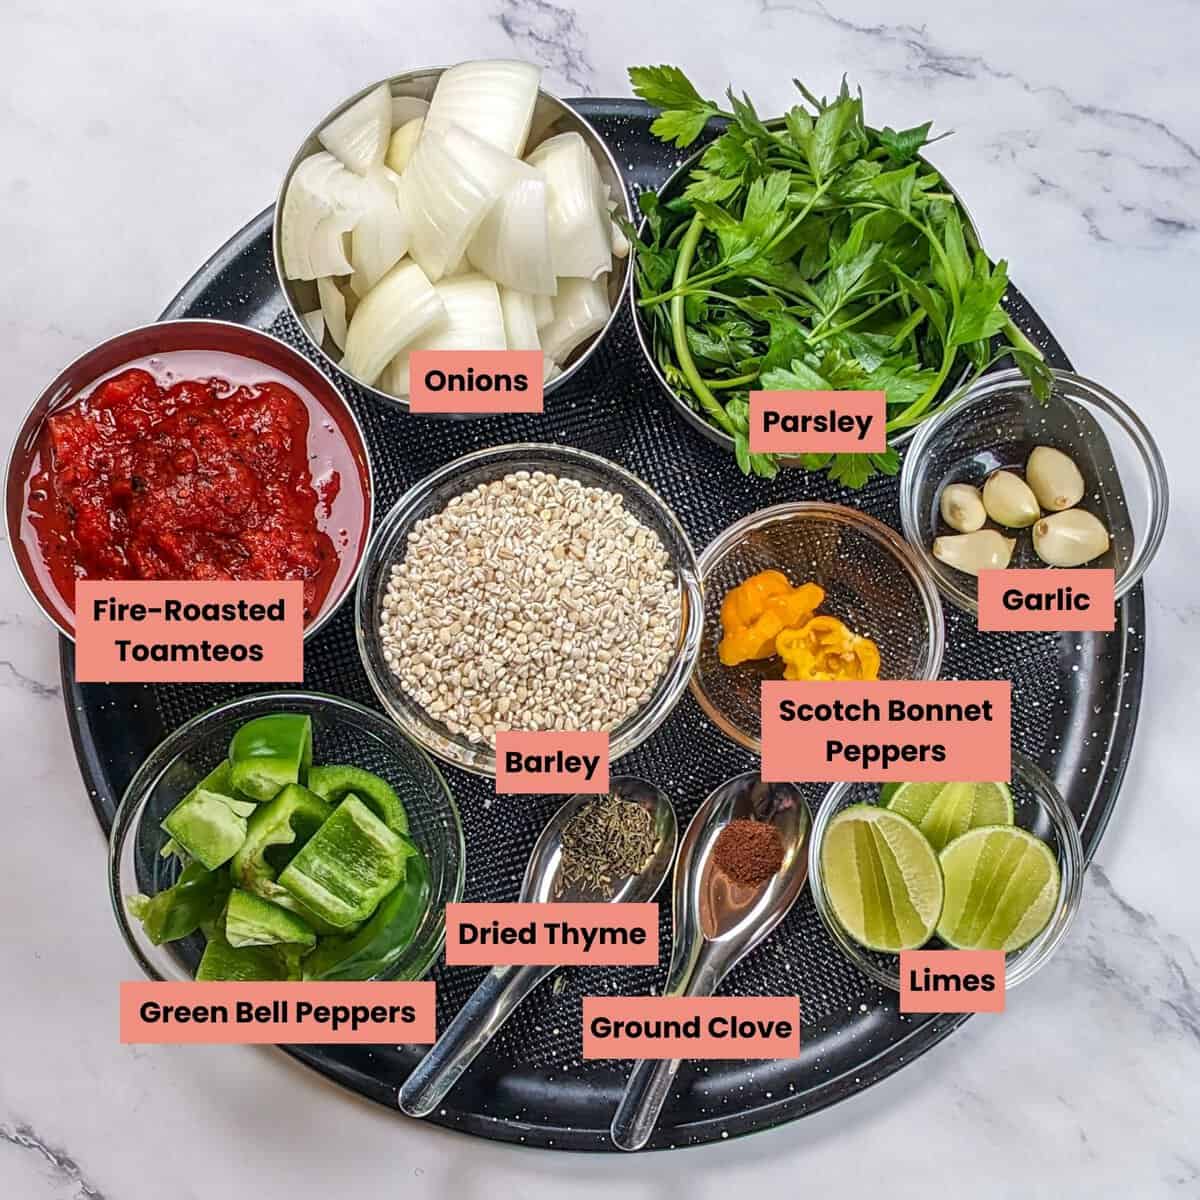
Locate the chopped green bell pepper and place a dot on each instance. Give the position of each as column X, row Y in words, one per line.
column 209, row 826
column 348, row 866
column 252, row 921
column 274, row 835
column 268, row 753
column 384, row 938
column 245, row 964
column 334, row 782
column 195, row 898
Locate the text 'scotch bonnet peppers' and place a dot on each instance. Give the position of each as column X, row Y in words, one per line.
column 755, row 612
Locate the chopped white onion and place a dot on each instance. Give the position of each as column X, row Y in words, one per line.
column 452, row 180
column 316, row 325
column 380, row 237
column 580, row 237
column 543, row 308
column 581, row 309
column 401, row 307
column 327, row 249
column 359, row 136
column 403, row 143
column 333, row 309
column 512, row 246
column 520, row 321
column 407, row 108
column 551, row 369
column 493, row 99
column 473, row 320
column 322, row 202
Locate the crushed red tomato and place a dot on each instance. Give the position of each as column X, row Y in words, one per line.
column 205, row 479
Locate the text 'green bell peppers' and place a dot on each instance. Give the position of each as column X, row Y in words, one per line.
column 270, row 752
column 384, row 938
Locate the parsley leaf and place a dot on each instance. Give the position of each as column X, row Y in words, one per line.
column 813, row 253
column 685, row 111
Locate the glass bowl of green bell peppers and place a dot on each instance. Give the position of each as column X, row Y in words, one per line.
column 286, row 835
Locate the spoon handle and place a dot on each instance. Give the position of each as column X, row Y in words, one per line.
column 477, row 1022
column 645, row 1095
column 649, row 1082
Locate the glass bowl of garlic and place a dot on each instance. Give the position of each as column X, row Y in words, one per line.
column 1001, row 478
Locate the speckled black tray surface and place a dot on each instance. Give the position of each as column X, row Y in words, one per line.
column 1079, row 698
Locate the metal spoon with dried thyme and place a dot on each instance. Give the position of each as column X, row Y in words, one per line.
column 607, row 839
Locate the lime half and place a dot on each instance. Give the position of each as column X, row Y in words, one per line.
column 944, row 811
column 882, row 878
column 1001, row 889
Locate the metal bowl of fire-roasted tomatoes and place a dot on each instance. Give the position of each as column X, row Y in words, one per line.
column 189, row 450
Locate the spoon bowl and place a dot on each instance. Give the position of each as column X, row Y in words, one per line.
column 716, row 921
column 541, row 882
column 504, row 987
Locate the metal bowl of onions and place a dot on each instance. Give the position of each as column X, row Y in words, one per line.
column 452, row 208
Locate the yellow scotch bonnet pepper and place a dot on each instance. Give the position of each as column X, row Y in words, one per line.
column 825, row 648
column 756, row 612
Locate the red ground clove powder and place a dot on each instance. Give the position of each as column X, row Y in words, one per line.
column 749, row 852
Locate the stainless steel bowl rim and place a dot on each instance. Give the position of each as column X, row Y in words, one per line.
column 981, row 390
column 689, row 414
column 692, row 618
column 47, row 395
column 407, row 77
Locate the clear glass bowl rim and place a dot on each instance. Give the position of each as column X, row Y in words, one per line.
column 1079, row 390
column 878, row 531
column 481, row 760
column 159, row 759
column 1071, row 865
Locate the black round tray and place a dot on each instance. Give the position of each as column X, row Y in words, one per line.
column 1077, row 700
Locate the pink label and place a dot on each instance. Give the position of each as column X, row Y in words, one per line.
column 306, row 1014
column 818, row 422
column 135, row 631
column 475, row 381
column 691, row 1027
column 951, row 981
column 937, row 730
column 1051, row 599
column 560, row 935
column 548, row 763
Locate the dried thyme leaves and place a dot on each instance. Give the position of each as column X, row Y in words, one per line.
column 607, row 840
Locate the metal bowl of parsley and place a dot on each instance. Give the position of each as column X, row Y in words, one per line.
column 810, row 252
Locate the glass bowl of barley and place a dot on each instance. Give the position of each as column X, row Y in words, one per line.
column 528, row 587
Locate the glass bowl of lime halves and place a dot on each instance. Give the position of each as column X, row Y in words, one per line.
column 287, row 835
column 966, row 866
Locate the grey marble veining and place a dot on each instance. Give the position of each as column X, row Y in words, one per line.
column 138, row 138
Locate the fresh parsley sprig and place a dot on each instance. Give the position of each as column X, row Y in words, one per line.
column 813, row 252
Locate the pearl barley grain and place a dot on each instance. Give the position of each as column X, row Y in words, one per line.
column 535, row 602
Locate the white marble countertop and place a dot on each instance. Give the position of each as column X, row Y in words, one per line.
column 140, row 136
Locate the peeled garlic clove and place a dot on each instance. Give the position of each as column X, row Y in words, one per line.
column 1054, row 477
column 1009, row 500
column 1069, row 539
column 962, row 508
column 983, row 550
